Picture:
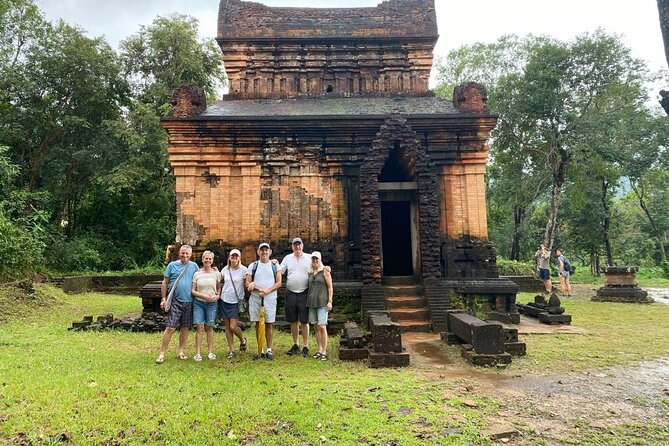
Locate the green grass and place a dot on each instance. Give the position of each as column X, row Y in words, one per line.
column 103, row 388
column 59, row 386
column 618, row 334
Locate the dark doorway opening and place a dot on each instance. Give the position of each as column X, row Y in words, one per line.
column 396, row 238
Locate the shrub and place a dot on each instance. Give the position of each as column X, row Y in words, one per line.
column 77, row 254
column 20, row 250
column 515, row 268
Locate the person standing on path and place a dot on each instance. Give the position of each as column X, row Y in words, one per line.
column 180, row 313
column 543, row 256
column 297, row 282
column 564, row 273
column 262, row 280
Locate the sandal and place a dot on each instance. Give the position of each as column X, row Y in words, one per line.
column 317, row 355
column 231, row 355
column 160, row 360
column 324, row 357
column 182, row 356
column 242, row 345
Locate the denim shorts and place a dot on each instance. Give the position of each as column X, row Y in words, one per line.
column 204, row 312
column 544, row 273
column 318, row 316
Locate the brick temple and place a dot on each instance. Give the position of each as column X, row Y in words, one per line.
column 330, row 132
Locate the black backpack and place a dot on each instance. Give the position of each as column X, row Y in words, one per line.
column 566, row 265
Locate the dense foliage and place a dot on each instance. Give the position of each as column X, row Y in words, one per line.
column 578, row 158
column 85, row 181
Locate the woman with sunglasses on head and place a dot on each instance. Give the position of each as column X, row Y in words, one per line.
column 233, row 275
column 319, row 302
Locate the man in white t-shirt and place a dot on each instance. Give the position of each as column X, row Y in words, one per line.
column 262, row 280
column 297, row 283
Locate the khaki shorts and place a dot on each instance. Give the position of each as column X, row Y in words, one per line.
column 270, row 309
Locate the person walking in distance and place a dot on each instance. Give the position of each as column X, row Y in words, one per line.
column 178, row 279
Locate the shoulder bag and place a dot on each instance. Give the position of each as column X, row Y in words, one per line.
column 170, row 295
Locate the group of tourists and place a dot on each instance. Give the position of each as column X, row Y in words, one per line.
column 194, row 295
column 542, row 257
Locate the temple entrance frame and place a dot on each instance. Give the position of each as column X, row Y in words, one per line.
column 400, row 242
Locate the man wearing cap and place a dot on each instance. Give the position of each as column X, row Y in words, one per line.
column 262, row 282
column 297, row 283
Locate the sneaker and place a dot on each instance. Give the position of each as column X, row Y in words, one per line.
column 197, row 357
column 294, row 350
column 231, row 355
column 269, row 355
column 305, row 352
column 324, row 357
column 211, row 356
column 256, row 357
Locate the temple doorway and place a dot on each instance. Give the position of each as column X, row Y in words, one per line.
column 396, row 238
column 398, row 229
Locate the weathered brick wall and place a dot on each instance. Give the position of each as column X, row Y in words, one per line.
column 391, row 18
column 272, row 193
column 463, row 188
column 292, row 52
column 242, row 182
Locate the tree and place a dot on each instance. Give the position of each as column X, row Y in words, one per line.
column 166, row 55
column 548, row 96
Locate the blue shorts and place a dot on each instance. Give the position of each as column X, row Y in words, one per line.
column 544, row 274
column 204, row 312
column 318, row 316
column 228, row 311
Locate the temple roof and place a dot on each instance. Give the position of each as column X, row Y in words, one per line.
column 241, row 20
column 344, row 107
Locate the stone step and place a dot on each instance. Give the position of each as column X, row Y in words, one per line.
column 409, row 314
column 415, row 326
column 399, row 280
column 399, row 302
column 403, row 290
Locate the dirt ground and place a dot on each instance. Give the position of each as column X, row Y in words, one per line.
column 591, row 407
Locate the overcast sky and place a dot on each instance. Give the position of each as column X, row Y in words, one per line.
column 460, row 21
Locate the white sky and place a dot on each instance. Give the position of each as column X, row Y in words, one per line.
column 460, row 21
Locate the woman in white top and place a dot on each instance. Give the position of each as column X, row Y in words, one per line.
column 206, row 287
column 233, row 275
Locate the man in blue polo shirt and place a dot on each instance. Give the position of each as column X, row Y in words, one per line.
column 180, row 313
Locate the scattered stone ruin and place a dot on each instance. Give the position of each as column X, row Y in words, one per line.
column 382, row 347
column 548, row 312
column 483, row 343
column 620, row 285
